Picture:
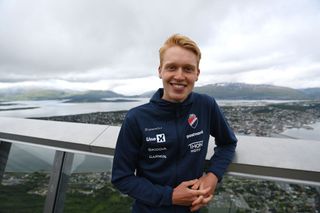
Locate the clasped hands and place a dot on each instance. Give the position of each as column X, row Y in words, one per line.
column 195, row 193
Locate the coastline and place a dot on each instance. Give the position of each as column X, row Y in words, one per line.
column 270, row 120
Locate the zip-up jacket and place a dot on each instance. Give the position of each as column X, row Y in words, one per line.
column 162, row 144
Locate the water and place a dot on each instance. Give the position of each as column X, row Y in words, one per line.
column 303, row 133
column 57, row 108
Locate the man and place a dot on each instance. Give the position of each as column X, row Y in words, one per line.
column 161, row 149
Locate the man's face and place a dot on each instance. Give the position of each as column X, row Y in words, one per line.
column 179, row 72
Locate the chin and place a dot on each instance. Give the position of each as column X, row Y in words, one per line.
column 178, row 98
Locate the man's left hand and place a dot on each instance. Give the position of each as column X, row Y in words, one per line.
column 207, row 180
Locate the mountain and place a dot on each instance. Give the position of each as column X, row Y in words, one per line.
column 251, row 91
column 93, row 96
column 22, row 94
column 242, row 91
column 47, row 94
column 219, row 91
column 313, row 93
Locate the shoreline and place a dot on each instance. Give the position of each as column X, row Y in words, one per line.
column 270, row 120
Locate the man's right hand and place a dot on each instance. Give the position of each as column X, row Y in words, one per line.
column 184, row 195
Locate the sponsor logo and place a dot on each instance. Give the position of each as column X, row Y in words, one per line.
column 157, row 156
column 193, row 120
column 149, row 139
column 160, row 138
column 152, row 129
column 157, row 149
column 194, row 134
column 195, row 146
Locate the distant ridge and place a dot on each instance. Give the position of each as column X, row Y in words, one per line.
column 93, row 96
column 242, row 91
column 236, row 91
column 251, row 91
column 313, row 93
column 47, row 94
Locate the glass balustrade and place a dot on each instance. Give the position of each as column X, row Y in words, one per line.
column 25, row 181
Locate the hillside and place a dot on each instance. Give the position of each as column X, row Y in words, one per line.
column 93, row 96
column 313, row 93
column 236, row 91
column 19, row 94
column 46, row 94
column 241, row 91
column 251, row 91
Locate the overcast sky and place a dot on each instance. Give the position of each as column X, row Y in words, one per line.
column 98, row 44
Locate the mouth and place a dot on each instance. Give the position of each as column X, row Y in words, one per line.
column 178, row 86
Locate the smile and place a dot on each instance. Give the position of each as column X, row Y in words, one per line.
column 178, row 86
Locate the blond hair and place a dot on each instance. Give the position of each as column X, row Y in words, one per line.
column 181, row 41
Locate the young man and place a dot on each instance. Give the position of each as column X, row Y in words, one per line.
column 161, row 149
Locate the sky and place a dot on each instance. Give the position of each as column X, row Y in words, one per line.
column 113, row 45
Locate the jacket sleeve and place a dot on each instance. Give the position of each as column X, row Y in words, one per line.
column 125, row 163
column 225, row 140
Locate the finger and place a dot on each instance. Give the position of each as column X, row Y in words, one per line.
column 202, row 191
column 195, row 208
column 196, row 185
column 206, row 200
column 189, row 182
column 197, row 201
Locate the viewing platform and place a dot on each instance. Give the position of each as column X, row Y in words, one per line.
column 276, row 159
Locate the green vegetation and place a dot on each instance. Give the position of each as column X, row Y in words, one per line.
column 21, row 198
column 93, row 193
column 26, row 193
column 105, row 199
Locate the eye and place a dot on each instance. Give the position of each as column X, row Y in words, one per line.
column 189, row 69
column 171, row 67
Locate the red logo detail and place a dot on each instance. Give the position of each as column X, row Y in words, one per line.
column 193, row 120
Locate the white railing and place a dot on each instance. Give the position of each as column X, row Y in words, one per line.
column 289, row 160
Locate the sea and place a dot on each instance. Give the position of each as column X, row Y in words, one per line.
column 44, row 157
column 46, row 108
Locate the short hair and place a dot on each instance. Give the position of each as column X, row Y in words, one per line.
column 181, row 41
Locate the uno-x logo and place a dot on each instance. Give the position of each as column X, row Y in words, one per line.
column 193, row 120
column 161, row 138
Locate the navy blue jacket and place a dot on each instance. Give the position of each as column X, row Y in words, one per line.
column 162, row 144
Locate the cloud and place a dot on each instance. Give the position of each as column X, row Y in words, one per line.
column 87, row 42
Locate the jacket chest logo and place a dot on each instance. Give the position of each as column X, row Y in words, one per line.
column 193, row 120
column 160, row 138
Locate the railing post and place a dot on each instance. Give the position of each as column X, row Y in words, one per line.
column 58, row 182
column 4, row 154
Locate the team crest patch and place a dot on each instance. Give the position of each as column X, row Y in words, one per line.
column 193, row 120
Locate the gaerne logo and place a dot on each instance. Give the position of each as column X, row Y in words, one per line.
column 193, row 120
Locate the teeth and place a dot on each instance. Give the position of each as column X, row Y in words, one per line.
column 179, row 86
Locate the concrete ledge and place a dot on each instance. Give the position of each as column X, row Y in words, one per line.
column 269, row 158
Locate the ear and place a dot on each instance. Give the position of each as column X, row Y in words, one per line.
column 159, row 72
column 198, row 73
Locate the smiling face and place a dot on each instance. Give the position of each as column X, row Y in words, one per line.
column 178, row 71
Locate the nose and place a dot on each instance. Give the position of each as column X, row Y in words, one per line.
column 179, row 75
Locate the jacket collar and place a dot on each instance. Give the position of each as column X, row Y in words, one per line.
column 157, row 99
